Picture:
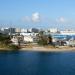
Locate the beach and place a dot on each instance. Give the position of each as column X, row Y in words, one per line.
column 49, row 49
column 42, row 48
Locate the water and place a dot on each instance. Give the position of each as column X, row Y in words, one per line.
column 37, row 63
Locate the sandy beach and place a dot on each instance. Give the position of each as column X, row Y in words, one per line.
column 43, row 48
column 47, row 49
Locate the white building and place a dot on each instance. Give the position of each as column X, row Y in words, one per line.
column 29, row 30
column 28, row 39
column 18, row 30
column 14, row 40
column 24, row 30
column 67, row 32
column 28, row 34
column 53, row 30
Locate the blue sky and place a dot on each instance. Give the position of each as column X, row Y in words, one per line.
column 37, row 13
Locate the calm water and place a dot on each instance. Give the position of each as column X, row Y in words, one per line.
column 37, row 63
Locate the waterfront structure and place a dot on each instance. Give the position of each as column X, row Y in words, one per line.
column 17, row 39
column 14, row 40
column 30, row 35
column 28, row 39
column 67, row 32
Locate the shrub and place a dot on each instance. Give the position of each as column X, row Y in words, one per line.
column 42, row 41
column 15, row 47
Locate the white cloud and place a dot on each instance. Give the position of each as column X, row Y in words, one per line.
column 65, row 21
column 36, row 17
column 61, row 20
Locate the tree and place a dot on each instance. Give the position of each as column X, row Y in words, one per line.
column 4, row 39
column 50, row 39
column 44, row 39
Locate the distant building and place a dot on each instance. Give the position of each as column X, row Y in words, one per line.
column 28, row 34
column 68, row 32
column 12, row 30
column 6, row 31
column 53, row 30
column 35, row 30
column 23, row 30
column 29, row 30
column 0, row 31
column 18, row 30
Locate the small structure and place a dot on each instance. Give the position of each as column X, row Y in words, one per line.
column 14, row 40
column 28, row 39
column 71, row 42
column 17, row 39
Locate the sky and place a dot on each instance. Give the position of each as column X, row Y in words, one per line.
column 37, row 13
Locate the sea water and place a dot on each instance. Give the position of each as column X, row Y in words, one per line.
column 37, row 63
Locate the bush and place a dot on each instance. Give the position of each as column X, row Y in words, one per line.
column 42, row 41
column 5, row 39
column 15, row 47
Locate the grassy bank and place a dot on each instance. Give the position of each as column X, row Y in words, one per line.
column 8, row 47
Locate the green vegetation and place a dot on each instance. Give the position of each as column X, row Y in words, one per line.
column 4, row 39
column 44, row 39
column 5, row 42
column 14, row 47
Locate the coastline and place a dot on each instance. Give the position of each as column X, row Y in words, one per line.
column 45, row 49
column 42, row 49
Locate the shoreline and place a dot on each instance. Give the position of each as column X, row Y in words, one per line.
column 42, row 49
column 45, row 49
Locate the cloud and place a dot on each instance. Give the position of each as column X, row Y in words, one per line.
column 61, row 20
column 34, row 18
column 42, row 19
column 65, row 21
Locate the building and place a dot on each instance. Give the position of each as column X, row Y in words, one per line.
column 17, row 40
column 35, row 30
column 24, row 30
column 18, row 30
column 53, row 30
column 67, row 32
column 12, row 30
column 14, row 40
column 6, row 31
column 28, row 39
column 29, row 30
